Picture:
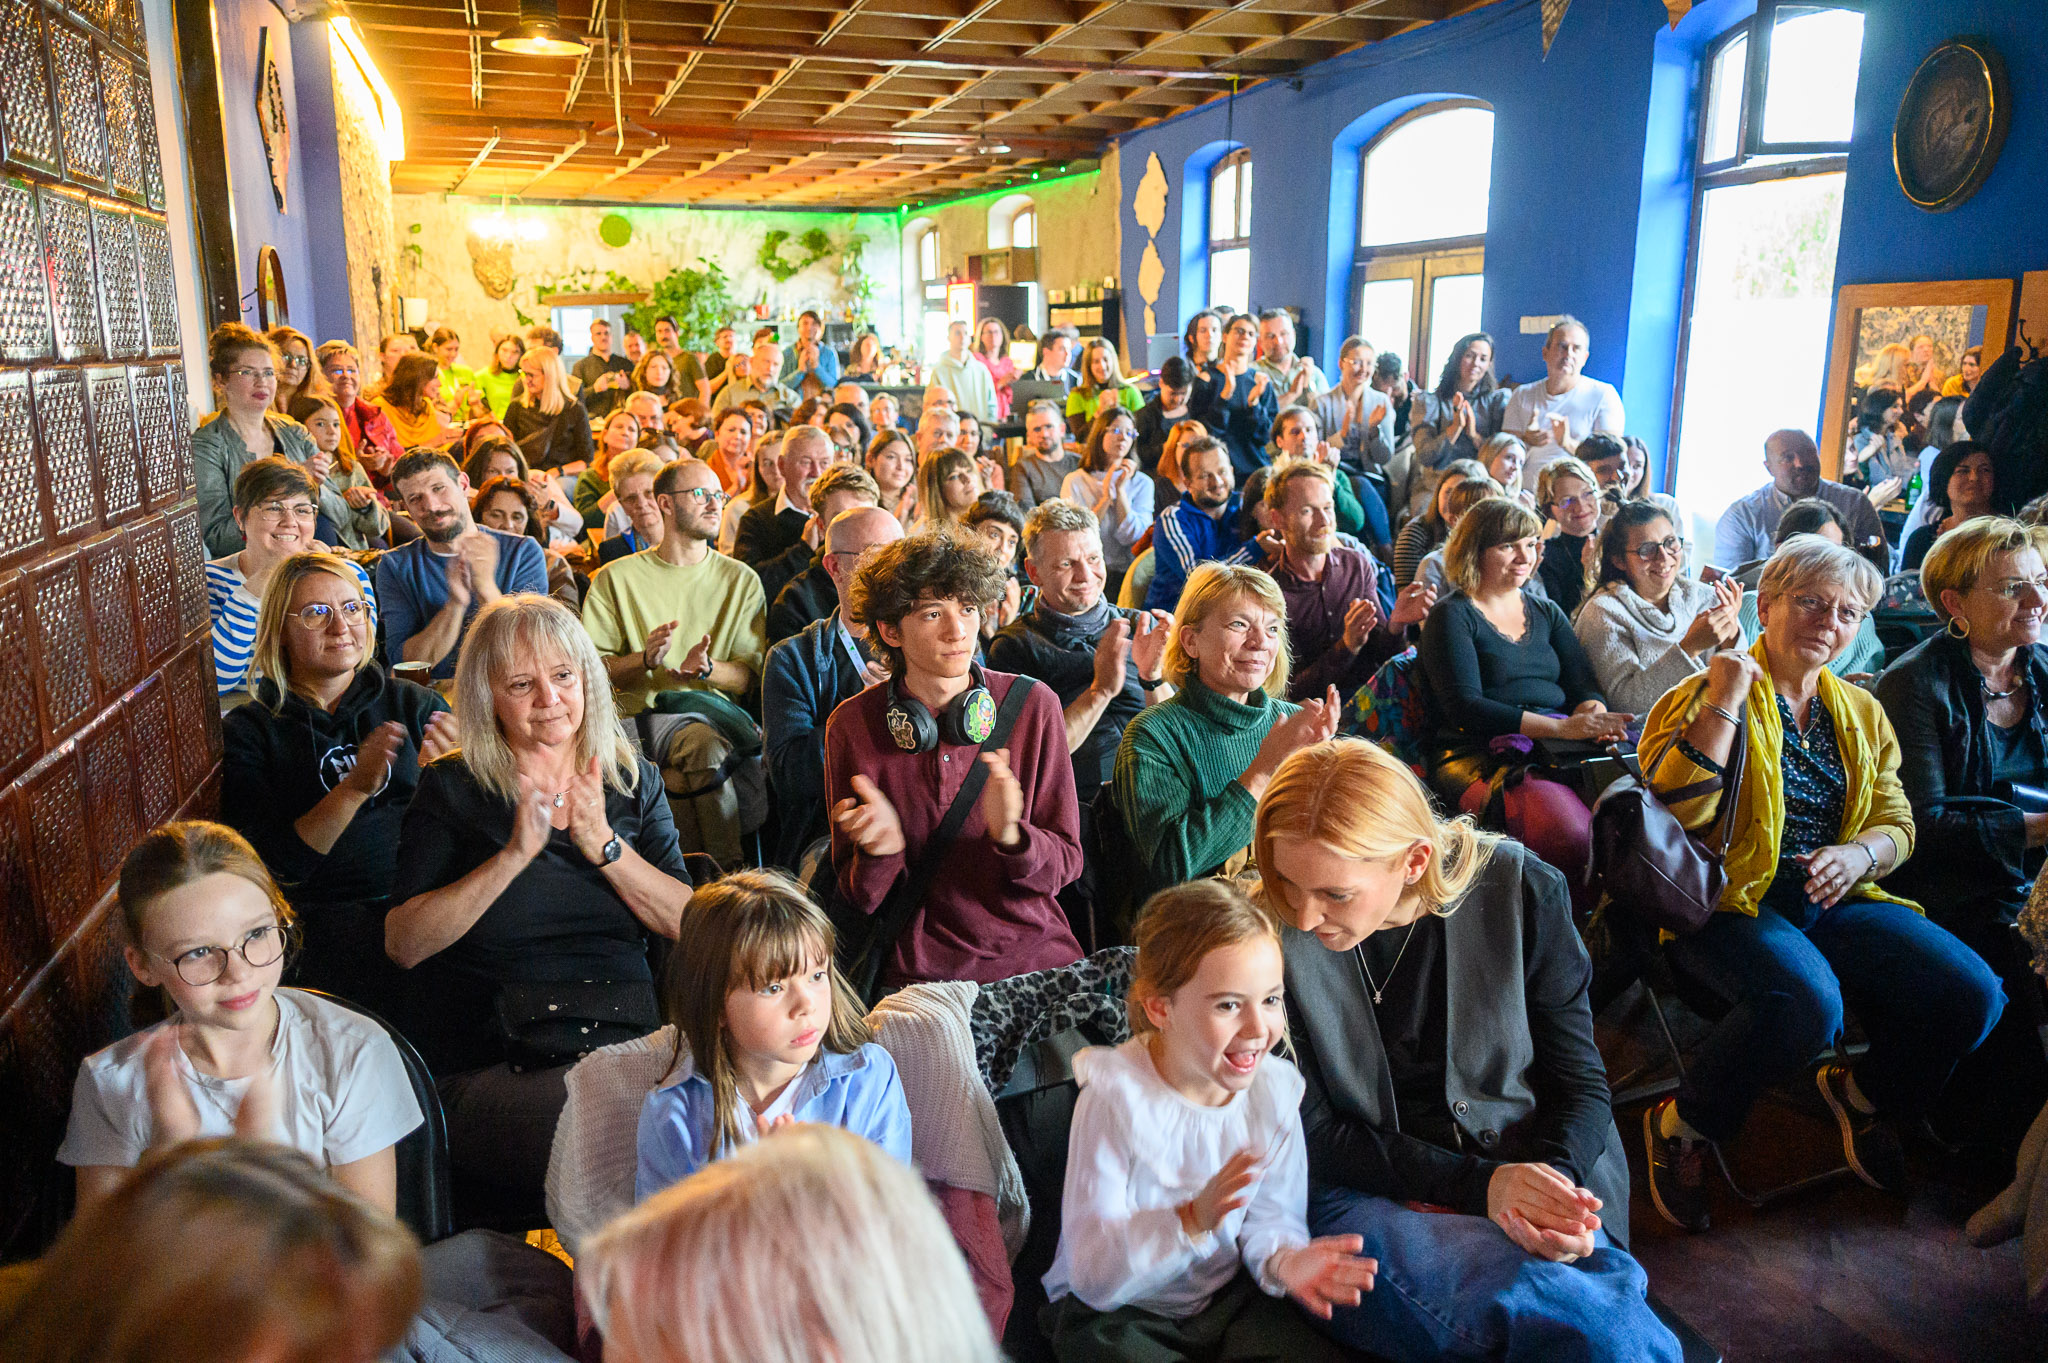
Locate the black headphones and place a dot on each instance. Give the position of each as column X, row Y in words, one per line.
column 970, row 718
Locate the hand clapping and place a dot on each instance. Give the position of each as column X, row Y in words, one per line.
column 869, row 820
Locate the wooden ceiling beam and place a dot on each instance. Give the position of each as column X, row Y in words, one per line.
column 759, row 135
column 551, row 167
column 489, row 146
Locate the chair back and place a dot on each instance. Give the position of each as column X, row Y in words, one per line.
column 595, row 1155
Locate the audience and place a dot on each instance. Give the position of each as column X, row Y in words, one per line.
column 1044, row 461
column 605, row 377
column 1102, row 384
column 686, row 370
column 621, row 433
column 757, row 382
column 1203, row 339
column 1553, row 414
column 1456, row 1114
column 865, row 362
column 367, row 434
column 811, row 366
column 948, row 485
column 1457, row 494
column 1463, row 413
column 770, row 529
column 1235, row 400
column 848, row 426
column 964, row 377
column 1055, row 356
column 1192, row 767
column 348, row 502
column 428, row 591
column 1162, row 414
column 892, row 462
column 1802, row 929
column 1877, row 450
column 1863, row 658
column 499, row 382
column 1297, row 435
column 764, row 486
column 407, row 401
column 634, row 473
column 1961, row 488
column 884, row 412
column 1646, row 626
column 1944, row 428
column 840, row 488
column 656, row 376
column 1114, row 489
column 552, row 428
column 731, row 453
column 507, row 504
column 992, row 349
column 1747, row 529
column 296, row 376
column 1201, row 527
column 243, row 427
column 1296, row 379
column 898, row 755
column 533, row 865
column 1569, row 494
column 1354, row 413
column 1427, row 530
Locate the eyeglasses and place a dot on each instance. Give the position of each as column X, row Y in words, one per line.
column 1652, row 551
column 320, row 615
column 279, row 511
column 2013, row 588
column 243, row 371
column 1849, row 616
column 1578, row 500
column 710, row 496
column 296, row 362
column 203, row 965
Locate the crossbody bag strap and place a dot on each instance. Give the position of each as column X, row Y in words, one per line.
column 1730, row 779
column 895, row 915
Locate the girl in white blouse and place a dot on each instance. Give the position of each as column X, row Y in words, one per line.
column 1184, row 1215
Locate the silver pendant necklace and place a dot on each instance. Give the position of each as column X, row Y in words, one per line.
column 1379, row 989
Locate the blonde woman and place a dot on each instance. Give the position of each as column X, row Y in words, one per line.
column 810, row 1246
column 1102, row 385
column 297, row 375
column 1479, row 1161
column 1191, row 768
column 533, row 867
column 552, row 428
column 948, row 483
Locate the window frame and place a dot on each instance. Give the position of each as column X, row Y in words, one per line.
column 929, row 235
column 1745, row 167
column 1236, row 160
column 1027, row 213
column 1423, row 262
column 1756, row 83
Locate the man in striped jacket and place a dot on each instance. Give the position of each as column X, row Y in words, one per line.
column 1200, row 527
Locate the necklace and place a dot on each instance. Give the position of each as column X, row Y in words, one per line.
column 2019, row 682
column 1379, row 989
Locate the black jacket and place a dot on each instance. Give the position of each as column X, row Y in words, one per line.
column 803, row 681
column 549, row 442
column 1065, row 661
column 763, row 535
column 808, row 596
column 1970, row 845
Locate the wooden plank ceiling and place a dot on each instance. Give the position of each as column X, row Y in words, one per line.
column 824, row 103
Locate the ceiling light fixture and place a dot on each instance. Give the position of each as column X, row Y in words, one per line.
column 990, row 145
column 539, row 33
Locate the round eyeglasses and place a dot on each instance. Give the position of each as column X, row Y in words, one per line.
column 203, row 965
column 320, row 615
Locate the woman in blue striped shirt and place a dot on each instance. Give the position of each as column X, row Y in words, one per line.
column 275, row 505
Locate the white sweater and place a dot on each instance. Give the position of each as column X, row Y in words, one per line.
column 1634, row 646
column 1137, row 1150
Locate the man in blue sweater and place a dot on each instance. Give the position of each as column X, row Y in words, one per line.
column 1200, row 527
column 430, row 589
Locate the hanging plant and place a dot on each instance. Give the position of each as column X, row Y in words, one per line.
column 816, row 247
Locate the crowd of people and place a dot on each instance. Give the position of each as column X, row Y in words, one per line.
column 569, row 702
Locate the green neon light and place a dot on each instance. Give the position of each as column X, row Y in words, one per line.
column 926, row 206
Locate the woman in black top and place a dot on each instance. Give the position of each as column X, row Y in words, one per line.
column 1500, row 662
column 552, row 428
column 1479, row 1162
column 1960, row 487
column 1568, row 492
column 317, row 773
column 1234, row 400
column 533, row 869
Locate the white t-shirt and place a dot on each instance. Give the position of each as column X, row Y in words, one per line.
column 342, row 1089
column 1587, row 406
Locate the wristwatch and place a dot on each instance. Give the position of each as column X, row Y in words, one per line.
column 1150, row 684
column 613, row 850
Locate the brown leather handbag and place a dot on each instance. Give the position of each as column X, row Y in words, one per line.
column 1650, row 867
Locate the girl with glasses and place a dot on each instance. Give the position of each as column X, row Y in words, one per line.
column 1647, row 626
column 202, row 921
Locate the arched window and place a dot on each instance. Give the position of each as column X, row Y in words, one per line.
column 928, row 254
column 1420, row 267
column 1012, row 222
column 1230, row 232
column 924, row 284
column 1024, row 227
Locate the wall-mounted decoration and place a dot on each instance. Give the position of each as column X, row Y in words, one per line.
column 615, row 230
column 1148, row 207
column 816, row 247
column 490, row 260
column 273, row 306
column 1951, row 124
column 1677, row 9
column 272, row 116
column 1553, row 19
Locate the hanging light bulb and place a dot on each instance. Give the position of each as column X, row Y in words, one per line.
column 539, row 33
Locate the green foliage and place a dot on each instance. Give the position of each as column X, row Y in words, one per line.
column 859, row 288
column 698, row 299
column 816, row 247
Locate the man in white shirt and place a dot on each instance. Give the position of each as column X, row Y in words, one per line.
column 1296, row 378
column 1748, row 529
column 965, row 377
column 1553, row 414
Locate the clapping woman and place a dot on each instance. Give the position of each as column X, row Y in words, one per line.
column 1110, row 484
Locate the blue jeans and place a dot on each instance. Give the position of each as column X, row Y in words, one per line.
column 1456, row 1287
column 1924, row 998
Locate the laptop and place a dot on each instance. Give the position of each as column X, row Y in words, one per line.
column 1024, row 392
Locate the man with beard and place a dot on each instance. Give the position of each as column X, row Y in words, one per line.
column 1748, row 529
column 1553, row 414
column 1339, row 627
column 1296, row 378
column 1200, row 527
column 1045, row 461
column 427, row 590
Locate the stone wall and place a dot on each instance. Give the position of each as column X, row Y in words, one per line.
column 365, row 205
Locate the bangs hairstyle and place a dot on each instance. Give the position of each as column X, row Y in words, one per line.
column 1361, row 802
column 727, row 1264
column 272, row 659
column 1094, row 458
column 505, row 633
column 937, row 565
column 1214, row 587
column 1614, row 539
column 554, row 380
column 411, row 379
column 272, row 476
column 219, row 1249
column 1962, row 556
column 1181, row 925
column 1569, row 466
column 1491, row 521
column 747, row 931
column 931, row 479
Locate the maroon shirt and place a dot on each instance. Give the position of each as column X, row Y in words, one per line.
column 989, row 914
column 1315, row 625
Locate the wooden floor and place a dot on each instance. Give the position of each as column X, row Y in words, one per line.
column 1842, row 1272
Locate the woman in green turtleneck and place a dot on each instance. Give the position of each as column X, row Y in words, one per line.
column 1191, row 769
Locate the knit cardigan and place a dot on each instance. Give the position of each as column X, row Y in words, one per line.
column 1634, row 646
column 1176, row 784
column 1876, row 802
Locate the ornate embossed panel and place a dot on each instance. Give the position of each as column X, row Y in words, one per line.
column 24, row 299
column 110, row 603
column 145, row 131
column 59, row 839
column 121, row 304
column 157, row 439
column 28, row 133
column 110, row 792
column 113, row 439
column 23, row 945
column 68, row 264
column 159, row 284
column 188, row 567
column 124, row 141
column 21, row 510
column 157, row 599
column 195, row 713
column 21, row 732
column 156, row 757
column 180, row 428
column 63, row 650
column 65, row 452
column 81, row 112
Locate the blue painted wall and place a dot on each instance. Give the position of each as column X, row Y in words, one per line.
column 1591, row 185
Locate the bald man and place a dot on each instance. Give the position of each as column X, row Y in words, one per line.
column 806, row 677
column 1748, row 529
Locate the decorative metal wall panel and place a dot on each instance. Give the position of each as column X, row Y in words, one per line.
column 156, row 757
column 65, row 445
column 81, row 111
column 124, row 141
column 113, row 438
column 63, row 649
column 195, row 713
column 110, row 599
column 156, row 599
column 109, row 772
column 59, row 837
column 145, row 133
column 23, row 945
column 21, row 732
column 68, row 262
column 114, row 247
column 156, row 436
column 28, row 134
column 24, row 300
column 181, row 427
column 21, row 502
column 188, row 568
column 124, row 26
column 159, row 283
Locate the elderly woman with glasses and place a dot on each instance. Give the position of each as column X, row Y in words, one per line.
column 1802, row 931
column 1647, row 626
column 318, row 771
